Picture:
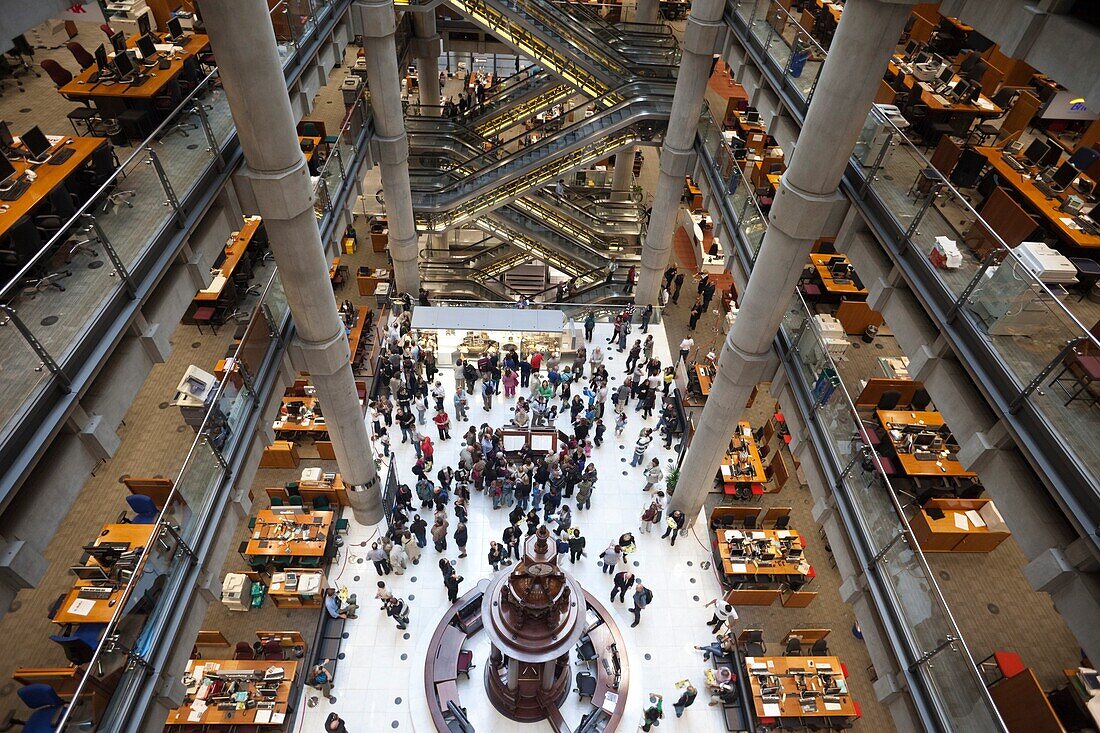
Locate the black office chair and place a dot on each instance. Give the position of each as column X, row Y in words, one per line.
column 586, row 685
column 783, row 522
column 986, row 129
column 888, row 400
column 921, row 399
column 754, row 643
column 750, row 522
column 968, row 169
column 586, row 651
column 819, row 649
column 794, row 647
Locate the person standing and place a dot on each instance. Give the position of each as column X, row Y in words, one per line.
column 443, row 424
column 452, row 581
column 576, row 545
column 647, row 315
column 589, row 325
column 397, row 609
column 642, row 597
column 674, row 524
column 693, row 318
column 653, row 474
column 439, row 534
column 380, row 559
column 461, row 401
column 633, row 356
column 611, row 557
column 512, row 535
column 644, row 439
column 685, row 347
column 461, row 537
column 624, row 580
column 653, row 714
column 487, row 392
column 669, row 274
column 412, row 547
column 677, row 283
column 399, row 559
column 420, row 402
column 631, row 274
column 419, row 528
column 686, row 698
column 496, row 555
column 724, row 613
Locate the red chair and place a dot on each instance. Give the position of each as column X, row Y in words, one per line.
column 106, row 29
column 844, row 670
column 274, row 650
column 465, row 662
column 859, row 710
column 58, row 74
column 83, row 58
column 243, row 650
column 757, row 491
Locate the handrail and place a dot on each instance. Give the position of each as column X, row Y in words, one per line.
column 62, row 234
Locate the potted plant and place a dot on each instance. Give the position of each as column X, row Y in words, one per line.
column 671, row 479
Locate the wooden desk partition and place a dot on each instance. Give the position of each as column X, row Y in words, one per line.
column 876, row 387
column 156, row 488
column 944, row 535
column 1024, row 706
column 753, row 597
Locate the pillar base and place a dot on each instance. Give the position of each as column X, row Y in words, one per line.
column 366, row 503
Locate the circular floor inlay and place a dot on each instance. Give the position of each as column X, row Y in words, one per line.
column 96, row 264
column 25, row 110
column 345, row 635
column 193, row 146
column 945, row 575
column 162, row 406
column 359, row 560
column 181, row 428
column 356, row 578
column 689, row 563
column 857, row 346
column 888, row 178
column 394, row 724
column 196, row 344
column 637, row 564
column 341, row 655
column 332, row 700
column 622, row 460
column 412, row 597
column 412, row 579
column 397, row 701
column 404, row 657
column 695, row 598
column 691, row 580
column 879, row 346
column 49, row 320
column 648, row 657
column 406, row 635
column 626, row 473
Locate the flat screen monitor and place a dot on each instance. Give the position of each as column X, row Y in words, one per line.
column 1051, row 157
column 925, row 439
column 118, row 42
column 962, row 86
column 1036, row 151
column 922, row 58
column 124, row 64
column 946, row 74
column 101, row 60
column 911, row 48
column 148, row 46
column 1063, row 177
column 143, row 24
column 35, row 142
column 90, row 572
column 175, row 28
column 6, row 140
column 7, row 170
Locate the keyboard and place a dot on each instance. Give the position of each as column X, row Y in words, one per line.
column 17, row 189
column 138, row 81
column 115, row 545
column 61, row 156
column 95, row 593
column 1045, row 189
column 1014, row 164
column 924, row 456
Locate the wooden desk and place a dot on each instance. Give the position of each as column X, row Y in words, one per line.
column 81, row 87
column 213, row 716
column 704, row 379
column 283, row 598
column 135, row 535
column 355, row 335
column 984, row 107
column 1035, row 198
column 49, row 177
column 778, row 567
column 305, row 425
column 848, row 290
column 945, row 535
column 752, row 463
column 694, row 193
column 912, row 466
column 788, row 706
column 235, row 250
column 313, row 150
column 269, row 538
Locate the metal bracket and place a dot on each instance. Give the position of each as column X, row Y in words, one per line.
column 927, row 656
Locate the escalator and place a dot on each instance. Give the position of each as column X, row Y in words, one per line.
column 516, row 104
column 498, row 176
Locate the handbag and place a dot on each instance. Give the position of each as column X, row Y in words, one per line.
column 670, row 523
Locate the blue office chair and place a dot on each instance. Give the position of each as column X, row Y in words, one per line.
column 1084, row 158
column 145, row 511
column 45, row 705
column 80, row 645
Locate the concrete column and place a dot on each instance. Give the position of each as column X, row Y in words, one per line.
column 377, row 20
column 242, row 38
column 806, row 203
column 622, row 179
column 427, row 45
column 704, row 30
column 647, row 11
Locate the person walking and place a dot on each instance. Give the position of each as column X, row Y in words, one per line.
column 653, row 474
column 686, row 698
column 653, row 714
column 419, row 528
column 611, row 557
column 642, row 597
column 651, row 516
column 685, row 347
column 399, row 559
column 674, row 524
column 443, row 423
column 509, row 380
column 623, row 581
column 693, row 317
column 412, row 547
column 633, row 356
column 461, row 537
column 640, row 446
column 397, row 609
column 677, row 283
column 451, row 582
column 496, row 555
column 724, row 613
column 439, row 534
column 380, row 559
column 576, row 545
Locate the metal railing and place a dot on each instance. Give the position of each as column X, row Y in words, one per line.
column 1015, row 331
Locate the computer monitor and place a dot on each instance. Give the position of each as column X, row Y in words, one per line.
column 1036, row 151
column 90, row 572
column 922, row 58
column 118, row 42
column 148, row 46
column 946, row 74
column 143, row 24
column 7, row 172
column 925, row 439
column 911, row 48
column 124, row 64
column 105, row 555
column 1051, row 157
column 961, row 88
column 175, row 28
column 35, row 142
column 6, row 140
column 1063, row 177
column 101, row 60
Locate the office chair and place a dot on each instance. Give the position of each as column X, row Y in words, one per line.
column 968, row 169
column 986, row 129
column 888, row 400
column 754, row 643
column 80, row 645
column 106, row 28
column 46, row 708
column 145, row 511
column 58, row 73
column 243, row 650
column 22, row 53
column 273, row 650
column 586, row 651
column 80, row 54
column 586, row 685
column 9, row 74
column 819, row 649
column 921, row 399
column 783, row 522
column 750, row 522
column 794, row 647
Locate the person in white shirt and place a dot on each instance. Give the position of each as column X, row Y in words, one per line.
column 685, row 346
column 724, row 613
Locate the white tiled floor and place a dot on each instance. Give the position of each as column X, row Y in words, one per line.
column 379, row 683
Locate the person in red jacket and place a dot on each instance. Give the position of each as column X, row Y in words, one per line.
column 427, row 449
column 443, row 422
column 536, row 362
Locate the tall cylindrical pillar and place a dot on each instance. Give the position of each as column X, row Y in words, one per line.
column 647, row 11
column 378, row 24
column 704, row 30
column 807, row 198
column 427, row 45
column 242, row 37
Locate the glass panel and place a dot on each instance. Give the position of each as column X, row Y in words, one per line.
column 22, row 377
column 132, row 210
